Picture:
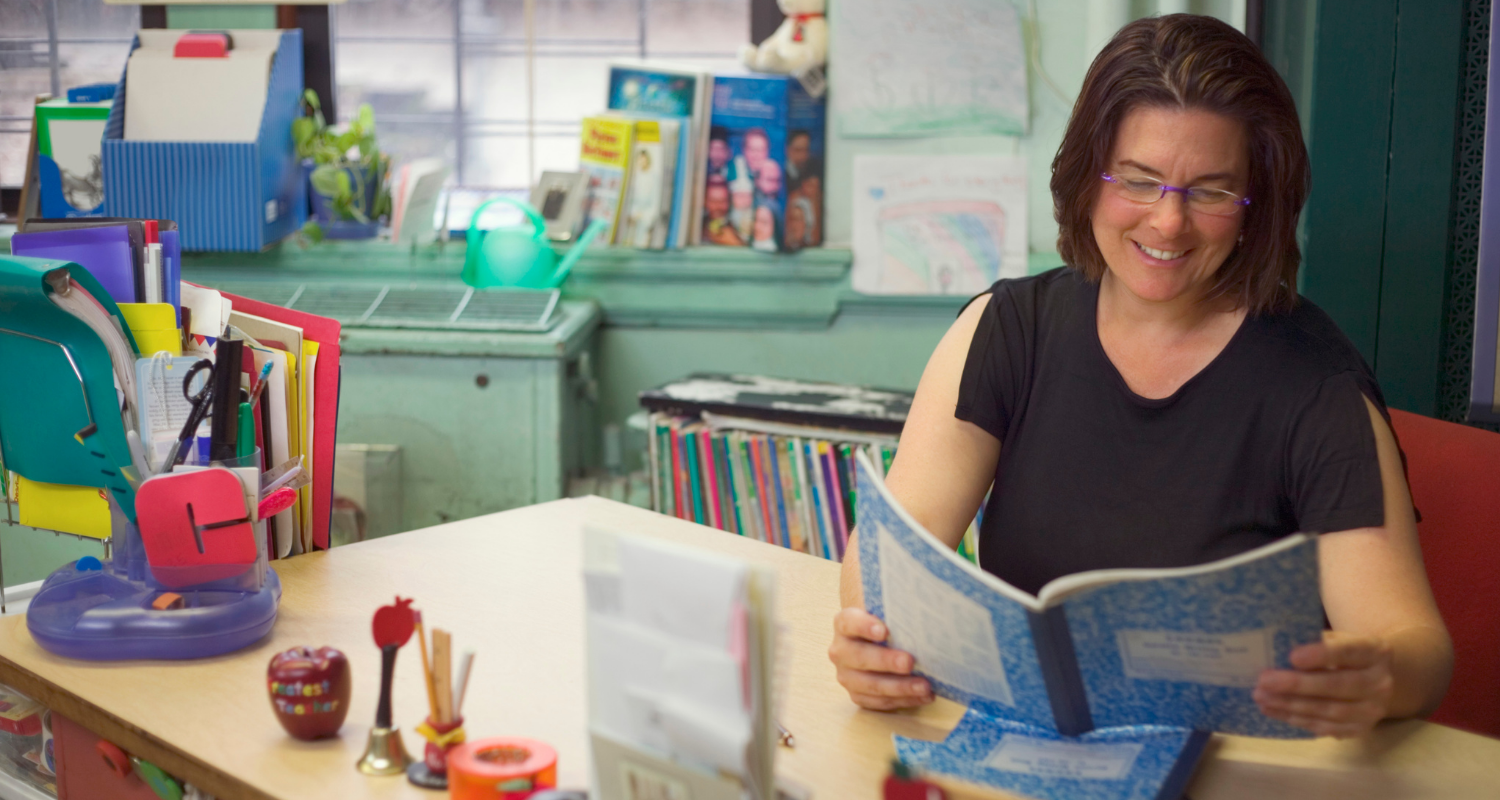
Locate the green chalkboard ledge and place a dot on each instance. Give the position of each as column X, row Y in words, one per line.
column 700, row 287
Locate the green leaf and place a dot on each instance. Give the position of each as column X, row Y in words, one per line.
column 325, row 180
column 311, row 229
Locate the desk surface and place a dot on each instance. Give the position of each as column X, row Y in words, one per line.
column 509, row 586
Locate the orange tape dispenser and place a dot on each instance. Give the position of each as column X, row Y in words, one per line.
column 500, row 769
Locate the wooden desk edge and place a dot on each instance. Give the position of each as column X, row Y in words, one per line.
column 131, row 739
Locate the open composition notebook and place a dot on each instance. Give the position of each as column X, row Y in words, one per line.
column 1106, row 684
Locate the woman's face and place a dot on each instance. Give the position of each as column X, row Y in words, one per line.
column 1165, row 251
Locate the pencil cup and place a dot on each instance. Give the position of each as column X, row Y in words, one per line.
column 432, row 771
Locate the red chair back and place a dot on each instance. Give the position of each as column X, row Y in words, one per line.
column 1454, row 472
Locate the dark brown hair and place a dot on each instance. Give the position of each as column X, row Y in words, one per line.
column 1187, row 61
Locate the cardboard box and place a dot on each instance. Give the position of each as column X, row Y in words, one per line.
column 224, row 195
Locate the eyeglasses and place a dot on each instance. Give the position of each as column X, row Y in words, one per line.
column 1146, row 190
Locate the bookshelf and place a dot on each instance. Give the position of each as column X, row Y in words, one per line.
column 771, row 459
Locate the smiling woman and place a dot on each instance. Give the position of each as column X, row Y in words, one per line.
column 1168, row 399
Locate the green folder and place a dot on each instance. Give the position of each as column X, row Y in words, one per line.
column 59, row 415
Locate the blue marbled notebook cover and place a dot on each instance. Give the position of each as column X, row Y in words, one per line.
column 1009, row 625
column 1144, row 762
column 1275, row 599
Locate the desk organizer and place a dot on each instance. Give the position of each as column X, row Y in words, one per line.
column 225, row 196
column 106, row 610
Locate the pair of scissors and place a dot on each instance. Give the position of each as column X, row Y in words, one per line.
column 201, row 399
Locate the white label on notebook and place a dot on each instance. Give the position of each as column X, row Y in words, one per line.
column 953, row 633
column 1048, row 758
column 1225, row 659
column 640, row 783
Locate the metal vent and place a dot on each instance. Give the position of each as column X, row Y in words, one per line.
column 435, row 308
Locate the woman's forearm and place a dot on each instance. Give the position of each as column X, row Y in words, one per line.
column 1421, row 666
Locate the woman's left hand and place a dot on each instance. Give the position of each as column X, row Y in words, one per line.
column 1341, row 686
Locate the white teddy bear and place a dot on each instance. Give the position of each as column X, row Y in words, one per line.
column 799, row 46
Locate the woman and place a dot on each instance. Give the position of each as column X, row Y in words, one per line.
column 1168, row 399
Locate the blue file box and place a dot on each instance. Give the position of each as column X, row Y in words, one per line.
column 236, row 196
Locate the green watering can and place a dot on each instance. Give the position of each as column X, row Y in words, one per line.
column 517, row 257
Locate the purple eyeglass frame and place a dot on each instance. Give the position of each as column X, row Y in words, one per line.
column 1243, row 201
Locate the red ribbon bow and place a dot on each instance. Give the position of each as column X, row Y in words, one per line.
column 801, row 20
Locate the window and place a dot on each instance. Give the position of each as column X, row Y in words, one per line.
column 447, row 78
column 47, row 46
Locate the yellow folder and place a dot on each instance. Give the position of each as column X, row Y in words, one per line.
column 81, row 510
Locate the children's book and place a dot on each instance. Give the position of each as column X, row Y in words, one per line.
column 648, row 213
column 680, row 92
column 1104, row 684
column 605, row 160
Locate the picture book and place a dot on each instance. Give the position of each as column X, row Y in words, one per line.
column 670, row 90
column 648, row 213
column 605, row 159
column 763, row 183
column 1119, row 673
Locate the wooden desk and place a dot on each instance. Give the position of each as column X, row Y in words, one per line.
column 509, row 585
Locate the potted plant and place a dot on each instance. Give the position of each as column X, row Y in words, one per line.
column 346, row 173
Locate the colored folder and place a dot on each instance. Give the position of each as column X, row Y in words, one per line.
column 106, row 252
column 60, row 419
column 325, row 394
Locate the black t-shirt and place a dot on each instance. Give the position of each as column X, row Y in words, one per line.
column 1271, row 438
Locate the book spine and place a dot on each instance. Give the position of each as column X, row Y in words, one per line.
column 762, row 488
column 1060, row 673
column 653, row 457
column 1175, row 786
column 726, row 474
column 772, row 449
column 679, row 473
column 835, row 494
column 845, row 461
column 711, row 478
column 690, row 475
column 789, row 490
column 742, row 457
column 804, row 497
column 820, row 500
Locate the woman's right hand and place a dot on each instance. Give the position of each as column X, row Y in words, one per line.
column 877, row 677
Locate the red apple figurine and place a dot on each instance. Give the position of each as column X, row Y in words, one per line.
column 309, row 691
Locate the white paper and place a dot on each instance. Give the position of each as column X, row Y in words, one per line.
column 926, row 614
column 1231, row 659
column 76, row 147
column 1048, row 758
column 681, row 593
column 209, row 310
column 170, row 99
column 944, row 68
column 164, row 408
column 938, row 224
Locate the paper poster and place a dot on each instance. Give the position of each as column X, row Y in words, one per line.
column 939, row 68
column 938, row 224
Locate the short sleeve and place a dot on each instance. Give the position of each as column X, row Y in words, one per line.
column 1333, row 466
column 998, row 365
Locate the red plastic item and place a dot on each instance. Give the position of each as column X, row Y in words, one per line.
column 394, row 624
column 277, row 502
column 309, row 690
column 202, row 45
column 151, row 231
column 1452, row 469
column 195, row 527
column 902, row 784
column 83, row 770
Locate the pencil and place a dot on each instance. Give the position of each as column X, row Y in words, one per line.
column 464, row 669
column 432, row 708
column 442, row 664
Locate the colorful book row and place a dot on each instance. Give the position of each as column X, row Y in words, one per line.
column 793, row 491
